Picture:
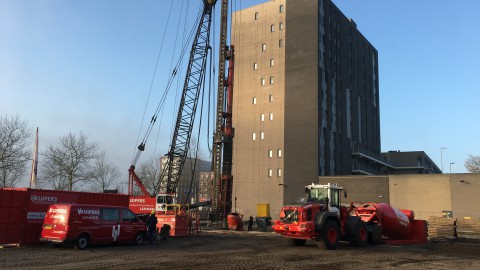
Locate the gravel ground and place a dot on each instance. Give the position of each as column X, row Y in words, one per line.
column 215, row 249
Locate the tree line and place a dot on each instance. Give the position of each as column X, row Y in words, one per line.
column 71, row 162
column 75, row 160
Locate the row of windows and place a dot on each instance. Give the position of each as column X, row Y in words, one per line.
column 270, row 172
column 263, row 81
column 272, row 27
column 280, row 45
column 254, row 99
column 279, row 153
column 262, row 117
column 280, row 9
column 255, row 64
column 254, row 136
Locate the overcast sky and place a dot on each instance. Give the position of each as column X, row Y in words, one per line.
column 88, row 66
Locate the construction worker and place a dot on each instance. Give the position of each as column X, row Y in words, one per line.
column 152, row 226
column 250, row 222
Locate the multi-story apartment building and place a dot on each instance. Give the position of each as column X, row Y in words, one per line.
column 306, row 100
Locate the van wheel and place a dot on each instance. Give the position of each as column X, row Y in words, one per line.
column 82, row 242
column 138, row 239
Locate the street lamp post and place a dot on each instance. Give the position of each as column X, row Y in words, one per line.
column 451, row 166
column 441, row 156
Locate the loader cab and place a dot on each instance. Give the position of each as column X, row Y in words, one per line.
column 329, row 193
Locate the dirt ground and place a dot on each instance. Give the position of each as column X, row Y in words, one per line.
column 217, row 249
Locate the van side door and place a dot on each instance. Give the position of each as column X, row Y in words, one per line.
column 110, row 224
column 129, row 225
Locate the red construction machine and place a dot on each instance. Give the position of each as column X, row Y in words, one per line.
column 319, row 216
column 169, row 212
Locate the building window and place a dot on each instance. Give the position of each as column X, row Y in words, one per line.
column 281, row 8
column 270, row 153
column 254, row 136
column 279, row 153
column 264, row 47
column 270, row 98
column 272, row 28
column 262, row 117
column 254, row 100
column 255, row 65
column 262, row 135
column 280, row 43
column 263, row 81
column 280, row 26
column 256, row 15
column 271, row 62
column 279, row 172
column 270, row 172
column 271, row 79
column 271, row 116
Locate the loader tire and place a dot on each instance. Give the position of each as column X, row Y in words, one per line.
column 360, row 236
column 330, row 235
column 375, row 234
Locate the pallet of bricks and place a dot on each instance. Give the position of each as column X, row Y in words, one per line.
column 468, row 228
column 440, row 228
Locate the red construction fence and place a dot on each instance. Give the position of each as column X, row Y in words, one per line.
column 22, row 210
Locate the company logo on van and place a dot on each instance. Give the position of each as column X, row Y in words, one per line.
column 57, row 210
column 43, row 199
column 88, row 211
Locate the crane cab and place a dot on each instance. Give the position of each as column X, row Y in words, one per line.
column 164, row 202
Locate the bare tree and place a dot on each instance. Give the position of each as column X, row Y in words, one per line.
column 69, row 161
column 149, row 173
column 52, row 176
column 14, row 156
column 472, row 163
column 104, row 172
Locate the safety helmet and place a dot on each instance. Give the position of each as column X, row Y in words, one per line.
column 153, row 212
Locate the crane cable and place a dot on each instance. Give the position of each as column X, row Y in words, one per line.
column 171, row 63
column 153, row 77
column 160, row 105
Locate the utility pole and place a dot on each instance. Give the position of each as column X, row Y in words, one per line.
column 441, row 156
column 451, row 166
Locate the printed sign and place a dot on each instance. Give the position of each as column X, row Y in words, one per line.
column 142, row 205
column 36, row 216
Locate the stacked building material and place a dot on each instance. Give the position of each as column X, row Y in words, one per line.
column 440, row 228
column 467, row 228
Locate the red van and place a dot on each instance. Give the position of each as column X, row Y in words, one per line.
column 83, row 224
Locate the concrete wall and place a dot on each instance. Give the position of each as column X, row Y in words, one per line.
column 301, row 97
column 361, row 189
column 426, row 194
column 465, row 195
column 252, row 183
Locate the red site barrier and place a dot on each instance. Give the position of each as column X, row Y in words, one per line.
column 22, row 210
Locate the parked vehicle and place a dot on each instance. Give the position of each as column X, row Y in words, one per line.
column 319, row 216
column 84, row 224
